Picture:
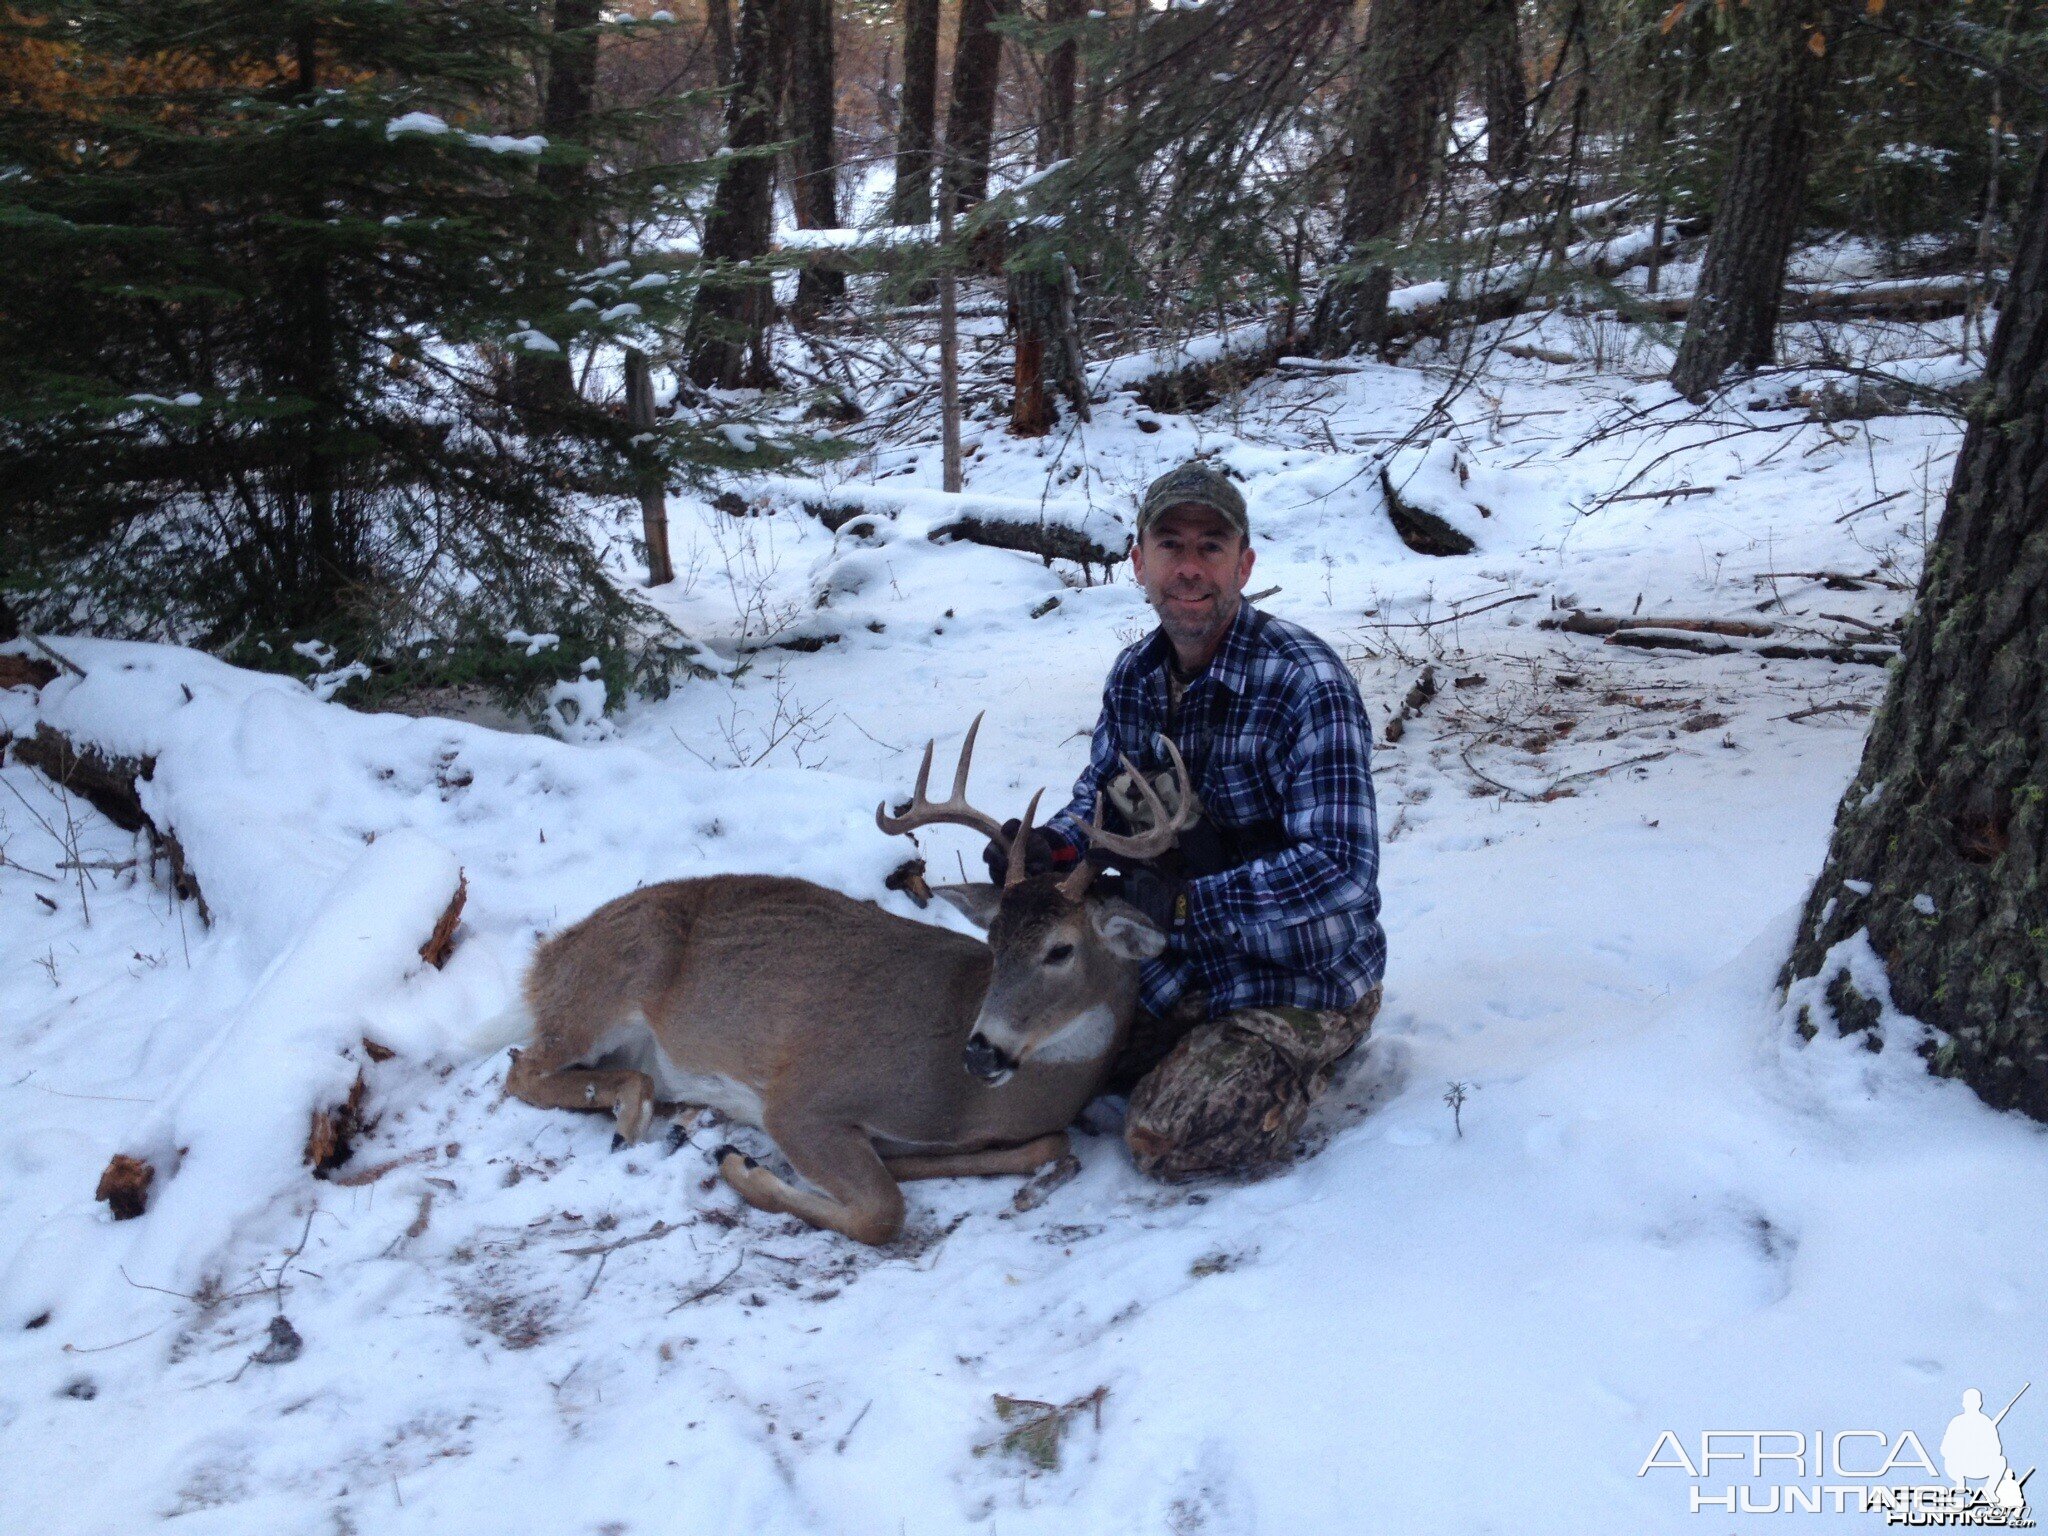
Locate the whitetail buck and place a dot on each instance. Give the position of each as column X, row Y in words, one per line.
column 869, row 1047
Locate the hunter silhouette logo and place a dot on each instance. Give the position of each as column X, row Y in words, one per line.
column 1971, row 1451
column 1857, row 1470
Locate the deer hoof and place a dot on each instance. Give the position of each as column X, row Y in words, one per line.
column 729, row 1150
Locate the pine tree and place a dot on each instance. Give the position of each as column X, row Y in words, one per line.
column 1940, row 850
column 265, row 267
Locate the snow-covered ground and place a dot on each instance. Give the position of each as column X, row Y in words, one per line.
column 1656, row 1208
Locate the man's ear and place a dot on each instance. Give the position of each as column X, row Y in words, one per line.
column 978, row 900
column 1129, row 933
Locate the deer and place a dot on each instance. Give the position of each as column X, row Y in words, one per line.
column 869, row 1047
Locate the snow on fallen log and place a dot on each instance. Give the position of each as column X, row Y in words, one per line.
column 278, row 1087
column 1427, row 500
column 1053, row 529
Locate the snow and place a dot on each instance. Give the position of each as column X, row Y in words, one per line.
column 1658, row 1206
column 425, row 123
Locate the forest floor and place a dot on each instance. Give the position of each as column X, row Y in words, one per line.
column 1657, row 1206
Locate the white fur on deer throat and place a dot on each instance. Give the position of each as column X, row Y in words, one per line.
column 1085, row 1037
column 632, row 1044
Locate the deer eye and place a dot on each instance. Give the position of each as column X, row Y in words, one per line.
column 1059, row 954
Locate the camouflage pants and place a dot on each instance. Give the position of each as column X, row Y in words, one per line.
column 1229, row 1095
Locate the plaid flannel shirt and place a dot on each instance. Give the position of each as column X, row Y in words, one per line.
column 1273, row 730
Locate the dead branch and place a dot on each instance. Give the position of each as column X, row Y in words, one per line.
column 1579, row 622
column 441, row 942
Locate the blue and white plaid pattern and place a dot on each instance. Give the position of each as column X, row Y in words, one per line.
column 1272, row 730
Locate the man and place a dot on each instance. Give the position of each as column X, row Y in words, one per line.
column 1271, row 900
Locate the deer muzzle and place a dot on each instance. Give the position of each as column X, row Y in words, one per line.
column 987, row 1060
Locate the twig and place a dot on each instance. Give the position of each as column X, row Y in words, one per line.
column 718, row 1284
column 57, row 656
column 96, row 1349
column 1452, row 618
column 1627, row 762
column 1843, row 618
column 839, row 1447
column 1843, row 707
column 377, row 1171
column 1683, row 490
column 1869, row 506
column 659, row 1229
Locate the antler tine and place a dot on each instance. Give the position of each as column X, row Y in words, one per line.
column 1016, row 873
column 1165, row 830
column 953, row 810
column 1075, row 886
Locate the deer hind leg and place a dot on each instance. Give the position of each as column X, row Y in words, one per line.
column 629, row 1095
column 1028, row 1158
column 855, row 1194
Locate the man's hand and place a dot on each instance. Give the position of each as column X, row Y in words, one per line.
column 1038, row 855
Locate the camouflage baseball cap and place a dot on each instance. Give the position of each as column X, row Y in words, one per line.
column 1194, row 484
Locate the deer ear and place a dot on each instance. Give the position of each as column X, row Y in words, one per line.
column 1129, row 933
column 978, row 900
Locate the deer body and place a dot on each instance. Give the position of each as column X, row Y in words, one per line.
column 871, row 1048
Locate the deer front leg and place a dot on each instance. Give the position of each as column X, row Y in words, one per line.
column 855, row 1194
column 1028, row 1158
column 627, row 1094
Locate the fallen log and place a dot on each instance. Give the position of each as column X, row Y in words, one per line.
column 107, row 782
column 25, row 672
column 1928, row 299
column 1421, row 530
column 1579, row 622
column 1774, row 650
column 1051, row 541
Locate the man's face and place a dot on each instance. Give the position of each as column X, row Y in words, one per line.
column 1193, row 566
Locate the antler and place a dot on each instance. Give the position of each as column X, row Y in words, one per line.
column 954, row 809
column 1164, row 832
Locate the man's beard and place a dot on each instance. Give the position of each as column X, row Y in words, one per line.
column 1192, row 626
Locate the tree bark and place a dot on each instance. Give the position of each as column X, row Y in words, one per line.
column 1407, row 45
column 544, row 383
column 1048, row 353
column 1504, row 88
column 1940, row 848
column 911, row 200
column 647, row 470
column 815, row 189
column 727, row 342
column 718, row 22
column 1056, row 94
column 971, row 116
column 1734, row 319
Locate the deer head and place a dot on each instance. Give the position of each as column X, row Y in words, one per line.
column 1065, row 959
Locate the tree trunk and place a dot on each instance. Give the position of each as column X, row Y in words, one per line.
column 971, row 117
column 1048, row 355
column 727, row 339
column 543, row 382
column 1407, row 45
column 1504, row 87
column 1940, row 849
column 1056, row 96
column 911, row 200
column 815, row 189
column 718, row 22
column 648, row 470
column 1734, row 320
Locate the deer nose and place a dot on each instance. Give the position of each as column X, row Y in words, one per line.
column 986, row 1060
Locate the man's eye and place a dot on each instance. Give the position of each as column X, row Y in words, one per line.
column 1059, row 953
